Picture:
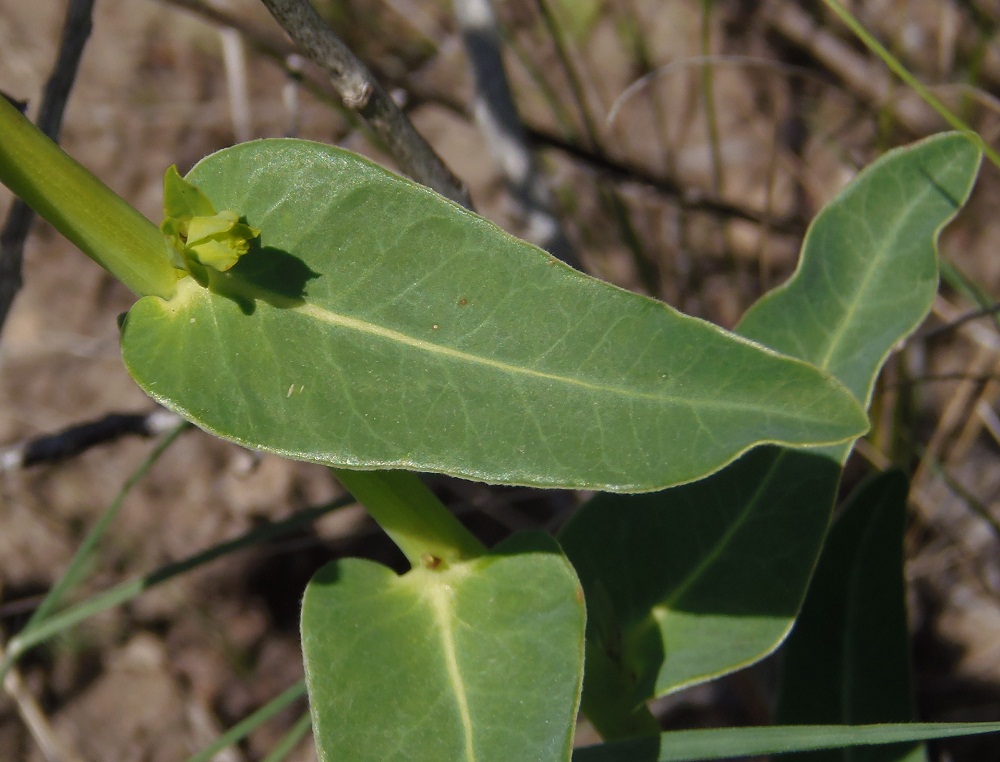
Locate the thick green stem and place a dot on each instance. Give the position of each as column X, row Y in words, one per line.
column 609, row 699
column 82, row 208
column 427, row 532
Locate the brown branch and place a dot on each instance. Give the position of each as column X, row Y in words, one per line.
column 80, row 437
column 362, row 93
column 270, row 43
column 276, row 47
column 688, row 199
column 279, row 50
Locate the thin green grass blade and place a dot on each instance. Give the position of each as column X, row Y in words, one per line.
column 126, row 591
column 725, row 743
column 75, row 572
column 248, row 725
column 290, row 740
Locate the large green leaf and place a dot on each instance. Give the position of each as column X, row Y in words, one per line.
column 719, row 567
column 847, row 660
column 479, row 661
column 377, row 325
column 715, row 571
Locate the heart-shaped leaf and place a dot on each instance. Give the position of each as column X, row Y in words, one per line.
column 376, row 325
column 479, row 661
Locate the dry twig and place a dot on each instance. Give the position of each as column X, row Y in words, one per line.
column 49, row 742
column 362, row 93
column 81, row 437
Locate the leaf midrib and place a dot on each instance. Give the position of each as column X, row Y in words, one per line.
column 440, row 597
column 189, row 292
column 860, row 294
column 344, row 321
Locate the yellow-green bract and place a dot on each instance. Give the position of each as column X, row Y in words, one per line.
column 199, row 233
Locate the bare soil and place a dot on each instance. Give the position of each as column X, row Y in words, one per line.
column 795, row 110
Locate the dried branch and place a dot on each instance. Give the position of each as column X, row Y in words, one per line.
column 689, row 199
column 76, row 30
column 274, row 46
column 362, row 93
column 51, row 745
column 270, row 43
column 536, row 138
column 498, row 120
column 81, row 437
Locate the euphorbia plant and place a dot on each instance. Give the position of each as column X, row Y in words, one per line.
column 301, row 300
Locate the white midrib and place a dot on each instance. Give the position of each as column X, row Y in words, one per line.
column 344, row 321
column 333, row 318
column 189, row 291
column 440, row 596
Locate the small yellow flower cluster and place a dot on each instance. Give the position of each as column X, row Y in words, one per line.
column 200, row 234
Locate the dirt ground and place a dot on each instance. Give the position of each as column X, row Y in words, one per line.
column 698, row 200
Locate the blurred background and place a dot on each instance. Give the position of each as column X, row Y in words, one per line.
column 683, row 145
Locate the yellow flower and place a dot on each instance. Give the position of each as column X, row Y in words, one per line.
column 200, row 234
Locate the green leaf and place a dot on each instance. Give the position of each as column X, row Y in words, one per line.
column 376, row 325
column 869, row 270
column 715, row 575
column 725, row 743
column 478, row 661
column 847, row 660
column 718, row 568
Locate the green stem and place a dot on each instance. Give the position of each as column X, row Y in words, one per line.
column 245, row 727
column 287, row 743
column 91, row 215
column 608, row 699
column 81, row 559
column 126, row 591
column 426, row 531
column 897, row 68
